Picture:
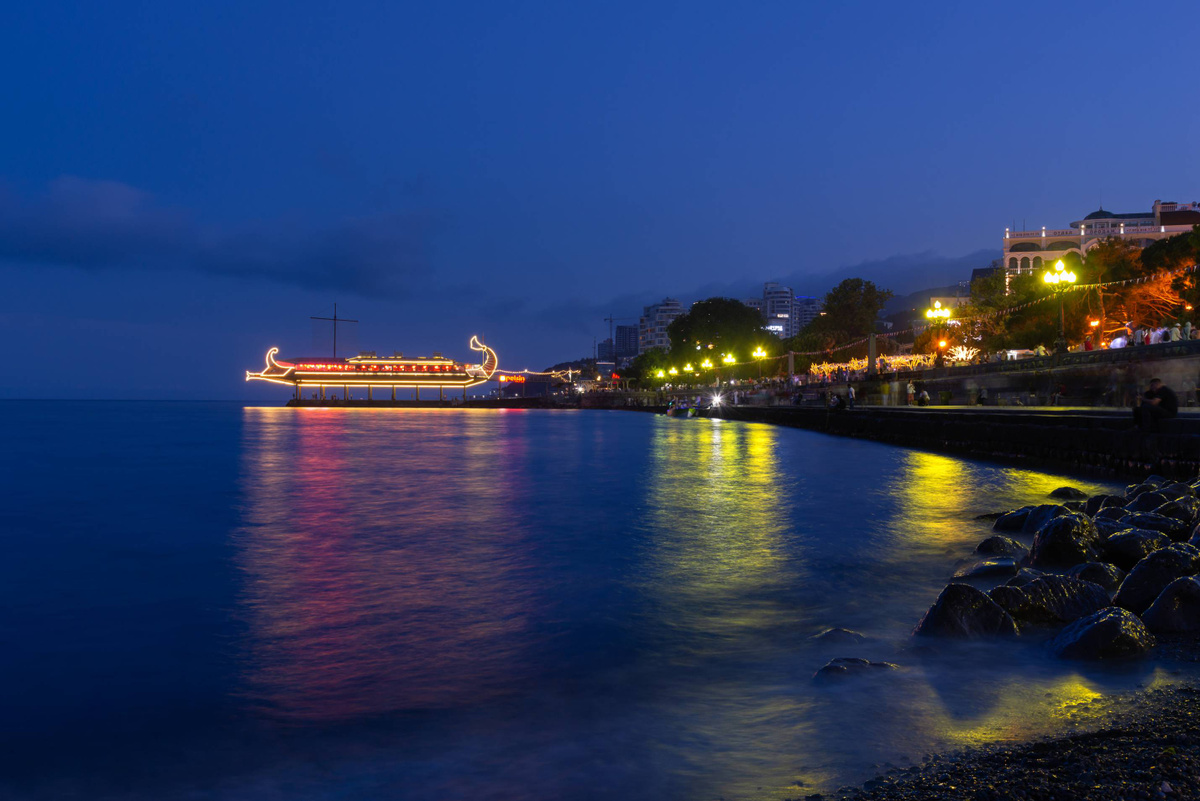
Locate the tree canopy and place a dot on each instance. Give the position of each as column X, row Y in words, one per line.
column 720, row 325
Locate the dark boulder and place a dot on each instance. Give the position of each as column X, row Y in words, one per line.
column 1097, row 502
column 1176, row 610
column 1175, row 529
column 838, row 636
column 1150, row 576
column 1182, row 509
column 1109, row 633
column 1012, row 521
column 990, row 516
column 985, row 568
column 1126, row 548
column 1051, row 600
column 1194, row 539
column 1146, row 502
column 1111, row 513
column 1041, row 515
column 1102, row 573
column 998, row 545
column 1064, row 541
column 1178, row 490
column 1136, row 490
column 1068, row 494
column 1023, row 577
column 963, row 611
column 846, row 666
column 1107, row 526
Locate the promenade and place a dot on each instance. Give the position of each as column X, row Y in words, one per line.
column 1076, row 438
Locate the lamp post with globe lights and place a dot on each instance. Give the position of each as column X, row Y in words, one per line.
column 1060, row 280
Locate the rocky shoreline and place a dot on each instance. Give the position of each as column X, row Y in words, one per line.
column 1149, row 750
column 1107, row 578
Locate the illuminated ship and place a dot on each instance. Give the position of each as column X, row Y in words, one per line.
column 373, row 372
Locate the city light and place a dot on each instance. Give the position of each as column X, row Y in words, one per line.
column 673, row 371
column 937, row 312
column 942, row 344
column 687, row 368
column 661, row 374
column 706, row 364
column 716, row 399
column 1059, row 278
column 729, row 358
column 759, row 353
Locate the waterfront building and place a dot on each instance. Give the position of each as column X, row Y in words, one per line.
column 1031, row 250
column 652, row 327
column 804, row 310
column 626, row 341
column 784, row 313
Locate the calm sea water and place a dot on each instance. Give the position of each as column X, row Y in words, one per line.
column 206, row 601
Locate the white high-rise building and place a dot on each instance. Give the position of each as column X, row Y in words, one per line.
column 783, row 313
column 652, row 327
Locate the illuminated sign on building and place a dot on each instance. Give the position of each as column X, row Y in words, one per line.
column 512, row 379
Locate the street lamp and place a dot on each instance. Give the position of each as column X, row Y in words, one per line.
column 937, row 312
column 1060, row 280
column 759, row 354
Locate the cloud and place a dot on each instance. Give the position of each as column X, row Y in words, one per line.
column 105, row 225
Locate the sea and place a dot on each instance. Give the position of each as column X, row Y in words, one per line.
column 218, row 601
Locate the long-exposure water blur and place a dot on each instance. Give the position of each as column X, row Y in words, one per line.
column 210, row 601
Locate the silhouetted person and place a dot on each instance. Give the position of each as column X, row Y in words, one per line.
column 1157, row 403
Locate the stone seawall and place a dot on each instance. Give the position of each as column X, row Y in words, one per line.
column 1097, row 441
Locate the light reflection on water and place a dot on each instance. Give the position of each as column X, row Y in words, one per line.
column 511, row 605
column 622, row 601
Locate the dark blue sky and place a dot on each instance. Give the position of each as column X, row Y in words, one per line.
column 183, row 184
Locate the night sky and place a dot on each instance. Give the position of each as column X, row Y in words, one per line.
column 183, row 184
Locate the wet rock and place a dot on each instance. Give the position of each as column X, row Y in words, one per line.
column 1068, row 494
column 1097, row 502
column 1023, row 577
column 998, row 545
column 1109, row 633
column 1178, row 490
column 846, row 666
column 998, row 566
column 1041, row 515
column 1182, row 509
column 1176, row 530
column 1126, row 548
column 1111, row 513
column 1051, row 600
column 1107, row 526
column 1012, row 521
column 993, row 516
column 1146, row 502
column 1176, row 610
column 838, row 636
column 1100, row 573
column 1151, row 576
column 963, row 611
column 1064, row 541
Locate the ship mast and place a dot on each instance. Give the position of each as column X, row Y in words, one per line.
column 335, row 320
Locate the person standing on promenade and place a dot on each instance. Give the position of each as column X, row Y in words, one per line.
column 1087, row 343
column 1139, row 337
column 850, row 394
column 1157, row 403
column 912, row 393
column 1187, row 329
column 1040, row 350
column 1176, row 334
